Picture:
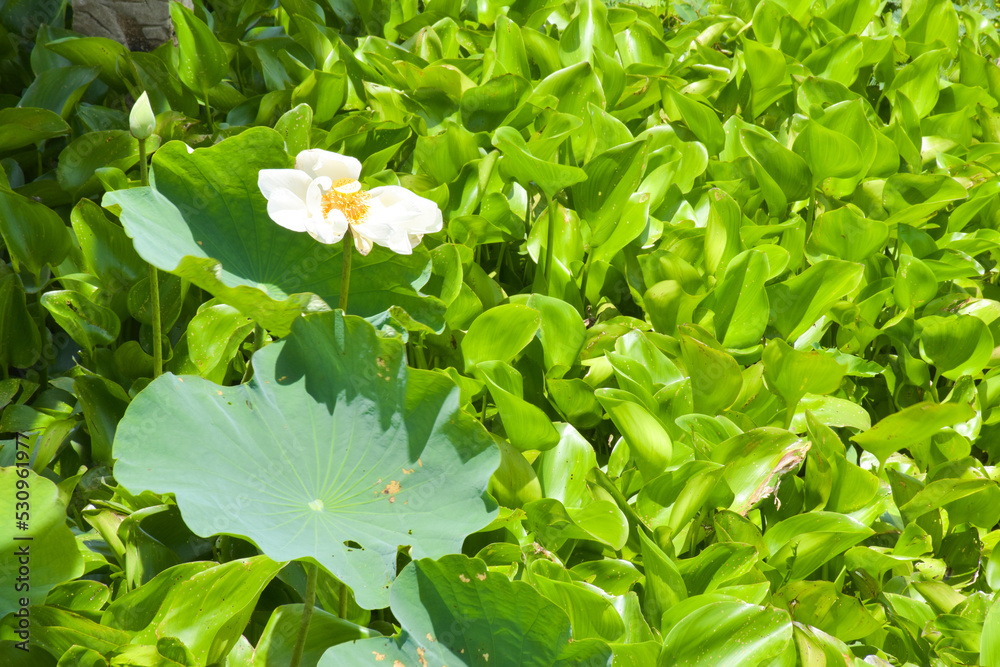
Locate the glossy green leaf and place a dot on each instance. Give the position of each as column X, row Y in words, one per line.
column 88, row 323
column 727, row 633
column 203, row 62
column 21, row 127
column 500, row 334
column 910, row 426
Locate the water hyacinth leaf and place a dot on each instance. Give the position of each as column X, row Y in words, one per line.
column 990, row 647
column 912, row 198
column 563, row 469
column 756, row 461
column 845, row 234
column 59, row 89
column 786, row 168
column 56, row 631
column 664, row 587
column 612, row 178
column 295, row 125
column 500, row 334
column 88, row 323
column 32, row 232
column 485, row 107
column 802, row 543
column 552, row 523
column 634, row 217
column 209, row 611
column 915, row 283
column 100, row 52
column 360, row 451
column 519, row 163
column 793, row 373
column 324, row 92
column 214, row 334
column 818, row 604
column 649, row 443
column 527, row 426
column 21, row 127
column 910, row 426
column 797, row 303
column 741, row 306
column 277, row 641
column 561, row 332
column 200, row 207
column 514, row 484
column 957, row 346
column 54, row 556
column 20, row 343
column 702, row 119
column 828, row 153
column 727, row 633
column 502, row 623
column 722, row 233
column 202, row 61
column 107, row 250
column 590, row 613
column 587, row 34
column 716, row 379
column 110, row 149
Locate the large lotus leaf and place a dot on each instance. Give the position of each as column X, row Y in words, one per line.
column 204, row 219
column 455, row 612
column 335, row 451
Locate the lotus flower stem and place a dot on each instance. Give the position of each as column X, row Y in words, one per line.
column 345, row 276
column 154, row 278
column 307, row 612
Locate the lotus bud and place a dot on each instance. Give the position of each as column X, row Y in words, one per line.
column 142, row 120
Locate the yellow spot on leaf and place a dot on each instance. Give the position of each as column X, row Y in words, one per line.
column 481, row 577
column 464, row 579
column 379, row 656
column 391, row 488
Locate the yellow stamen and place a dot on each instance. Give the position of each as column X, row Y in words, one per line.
column 346, row 196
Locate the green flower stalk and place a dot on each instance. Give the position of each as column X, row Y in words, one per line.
column 142, row 123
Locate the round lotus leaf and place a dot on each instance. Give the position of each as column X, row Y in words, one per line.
column 335, row 451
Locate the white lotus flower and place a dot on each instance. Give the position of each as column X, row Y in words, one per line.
column 322, row 196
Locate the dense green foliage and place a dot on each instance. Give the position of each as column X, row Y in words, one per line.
column 702, row 370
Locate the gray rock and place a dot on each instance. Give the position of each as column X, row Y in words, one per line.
column 141, row 25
